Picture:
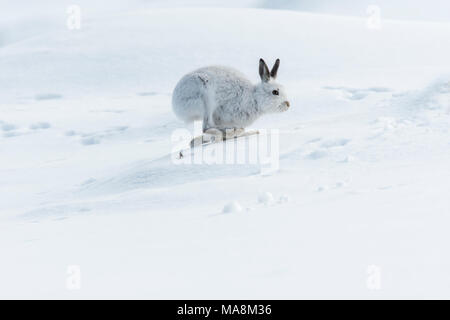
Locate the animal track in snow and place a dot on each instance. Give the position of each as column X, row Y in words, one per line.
column 147, row 94
column 70, row 133
column 337, row 185
column 379, row 89
column 7, row 126
column 284, row 199
column 48, row 96
column 90, row 141
column 9, row 130
column 314, row 140
column 11, row 134
column 40, row 125
column 322, row 188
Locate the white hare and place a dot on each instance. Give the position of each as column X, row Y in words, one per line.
column 224, row 99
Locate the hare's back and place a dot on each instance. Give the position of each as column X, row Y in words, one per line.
column 220, row 75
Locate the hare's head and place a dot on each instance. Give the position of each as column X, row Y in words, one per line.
column 270, row 95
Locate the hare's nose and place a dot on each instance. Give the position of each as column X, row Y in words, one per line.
column 287, row 104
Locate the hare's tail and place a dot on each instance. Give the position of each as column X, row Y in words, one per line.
column 188, row 100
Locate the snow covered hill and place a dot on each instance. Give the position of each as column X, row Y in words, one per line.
column 86, row 177
column 432, row 10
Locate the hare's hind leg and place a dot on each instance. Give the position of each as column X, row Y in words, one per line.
column 213, row 135
column 210, row 135
column 223, row 134
column 229, row 133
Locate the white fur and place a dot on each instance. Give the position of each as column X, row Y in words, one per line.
column 223, row 98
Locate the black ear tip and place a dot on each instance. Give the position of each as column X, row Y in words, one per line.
column 261, row 60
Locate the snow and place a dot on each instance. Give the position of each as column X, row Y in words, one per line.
column 232, row 207
column 434, row 10
column 87, row 178
column 265, row 198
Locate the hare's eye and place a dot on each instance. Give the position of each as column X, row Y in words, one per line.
column 275, row 92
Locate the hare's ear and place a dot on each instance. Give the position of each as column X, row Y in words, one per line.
column 274, row 71
column 263, row 71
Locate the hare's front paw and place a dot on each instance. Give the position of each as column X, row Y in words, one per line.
column 208, row 136
column 233, row 132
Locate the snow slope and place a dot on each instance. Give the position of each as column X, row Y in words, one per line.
column 432, row 10
column 86, row 177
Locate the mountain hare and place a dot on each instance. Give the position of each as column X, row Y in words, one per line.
column 224, row 99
